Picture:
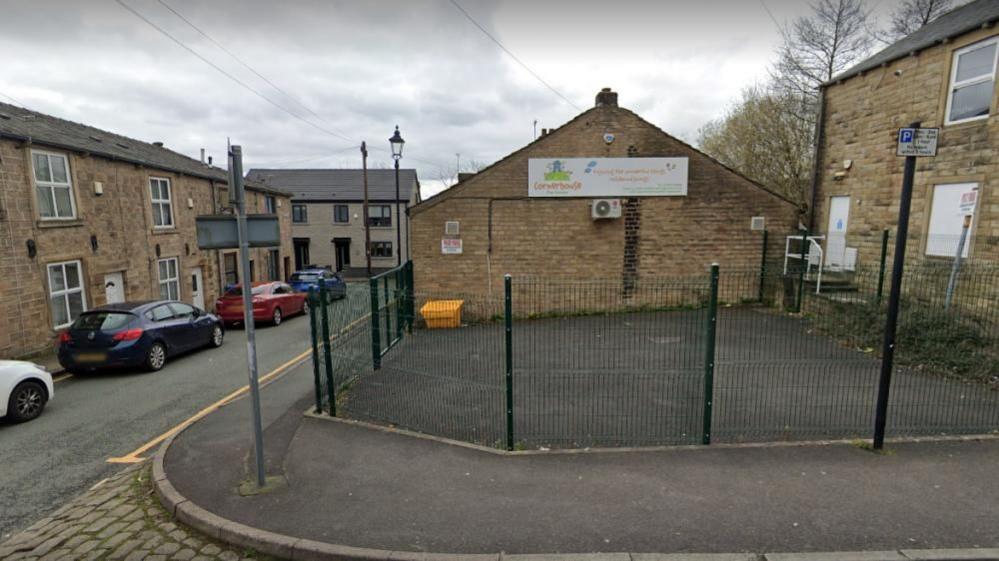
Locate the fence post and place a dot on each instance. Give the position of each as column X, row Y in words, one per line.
column 709, row 355
column 324, row 302
column 315, row 349
column 884, row 259
column 400, row 301
column 763, row 264
column 805, row 247
column 508, row 312
column 376, row 343
column 410, row 297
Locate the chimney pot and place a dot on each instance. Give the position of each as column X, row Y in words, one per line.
column 158, row 144
column 606, row 97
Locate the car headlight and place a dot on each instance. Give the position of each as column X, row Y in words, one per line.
column 40, row 367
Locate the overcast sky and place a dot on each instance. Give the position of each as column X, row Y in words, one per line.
column 355, row 69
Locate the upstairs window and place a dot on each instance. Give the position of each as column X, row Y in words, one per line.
column 341, row 214
column 270, row 204
column 380, row 215
column 299, row 213
column 159, row 190
column 53, row 189
column 972, row 82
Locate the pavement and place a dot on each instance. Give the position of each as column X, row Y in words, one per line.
column 351, row 485
column 95, row 417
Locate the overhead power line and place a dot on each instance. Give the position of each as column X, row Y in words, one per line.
column 514, row 57
column 255, row 72
column 14, row 99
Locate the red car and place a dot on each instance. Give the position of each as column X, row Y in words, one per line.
column 272, row 301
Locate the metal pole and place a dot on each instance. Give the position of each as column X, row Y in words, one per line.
column 952, row 284
column 313, row 302
column 324, row 299
column 805, row 247
column 891, row 324
column 239, row 194
column 367, row 225
column 709, row 356
column 398, row 218
column 763, row 264
column 376, row 344
column 508, row 313
column 884, row 259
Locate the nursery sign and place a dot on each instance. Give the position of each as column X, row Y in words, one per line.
column 607, row 177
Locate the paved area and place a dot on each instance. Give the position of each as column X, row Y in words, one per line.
column 638, row 379
column 94, row 417
column 118, row 519
column 361, row 487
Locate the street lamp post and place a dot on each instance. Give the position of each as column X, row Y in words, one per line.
column 396, row 141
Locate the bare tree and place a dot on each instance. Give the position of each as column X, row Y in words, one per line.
column 911, row 15
column 817, row 47
column 762, row 138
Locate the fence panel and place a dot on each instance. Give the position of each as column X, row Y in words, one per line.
column 596, row 364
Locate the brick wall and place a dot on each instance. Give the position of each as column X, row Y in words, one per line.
column 121, row 221
column 863, row 115
column 674, row 236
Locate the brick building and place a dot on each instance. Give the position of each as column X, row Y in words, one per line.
column 88, row 217
column 503, row 225
column 944, row 76
column 328, row 210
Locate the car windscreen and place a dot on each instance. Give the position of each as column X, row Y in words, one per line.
column 238, row 290
column 104, row 321
column 304, row 277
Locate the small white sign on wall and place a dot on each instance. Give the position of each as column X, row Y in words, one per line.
column 968, row 201
column 450, row 246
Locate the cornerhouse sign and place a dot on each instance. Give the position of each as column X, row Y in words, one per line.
column 607, row 177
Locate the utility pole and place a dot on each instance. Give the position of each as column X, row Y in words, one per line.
column 367, row 225
column 237, row 195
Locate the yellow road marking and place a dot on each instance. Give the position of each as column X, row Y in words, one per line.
column 135, row 456
column 61, row 378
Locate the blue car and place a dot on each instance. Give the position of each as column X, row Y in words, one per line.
column 136, row 334
column 312, row 279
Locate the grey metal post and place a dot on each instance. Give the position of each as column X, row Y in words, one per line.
column 398, row 219
column 952, row 284
column 239, row 201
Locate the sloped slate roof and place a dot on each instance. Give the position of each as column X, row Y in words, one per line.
column 337, row 184
column 956, row 22
column 23, row 124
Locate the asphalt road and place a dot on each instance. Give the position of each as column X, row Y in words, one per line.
column 46, row 462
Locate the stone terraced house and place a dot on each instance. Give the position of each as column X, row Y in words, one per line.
column 89, row 217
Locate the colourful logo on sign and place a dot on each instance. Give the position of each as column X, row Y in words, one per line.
column 556, row 171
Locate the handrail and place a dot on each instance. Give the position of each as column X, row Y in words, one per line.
column 807, row 257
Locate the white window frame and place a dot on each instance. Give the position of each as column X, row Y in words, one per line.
column 270, row 204
column 66, row 291
column 52, row 185
column 174, row 280
column 157, row 204
column 930, row 249
column 953, row 86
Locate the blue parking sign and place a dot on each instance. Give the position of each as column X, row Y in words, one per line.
column 905, row 135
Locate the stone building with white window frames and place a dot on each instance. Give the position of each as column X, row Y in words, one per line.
column 89, row 217
column 944, row 76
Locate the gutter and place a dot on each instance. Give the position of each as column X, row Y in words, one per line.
column 820, row 126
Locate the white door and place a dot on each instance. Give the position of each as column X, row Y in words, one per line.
column 114, row 288
column 839, row 217
column 197, row 289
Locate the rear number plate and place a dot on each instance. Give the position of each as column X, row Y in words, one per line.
column 91, row 357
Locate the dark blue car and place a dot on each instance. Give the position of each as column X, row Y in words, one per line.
column 136, row 334
column 312, row 279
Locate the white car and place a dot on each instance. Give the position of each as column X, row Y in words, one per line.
column 25, row 388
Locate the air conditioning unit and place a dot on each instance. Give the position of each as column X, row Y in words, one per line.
column 758, row 223
column 605, row 208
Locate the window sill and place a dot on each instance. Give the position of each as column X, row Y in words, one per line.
column 967, row 122
column 58, row 222
column 163, row 231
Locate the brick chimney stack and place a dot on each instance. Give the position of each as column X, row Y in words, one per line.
column 606, row 97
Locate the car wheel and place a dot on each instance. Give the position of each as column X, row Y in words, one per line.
column 218, row 336
column 26, row 401
column 156, row 357
column 276, row 318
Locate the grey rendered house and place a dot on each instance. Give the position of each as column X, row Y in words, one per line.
column 328, row 215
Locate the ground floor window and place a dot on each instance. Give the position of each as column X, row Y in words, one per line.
column 274, row 265
column 231, row 272
column 66, row 294
column 381, row 249
column 947, row 219
column 169, row 279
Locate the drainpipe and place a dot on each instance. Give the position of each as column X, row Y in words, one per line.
column 820, row 125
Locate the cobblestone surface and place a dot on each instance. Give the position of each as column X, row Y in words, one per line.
column 117, row 519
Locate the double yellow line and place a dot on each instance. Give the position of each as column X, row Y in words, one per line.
column 135, row 456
